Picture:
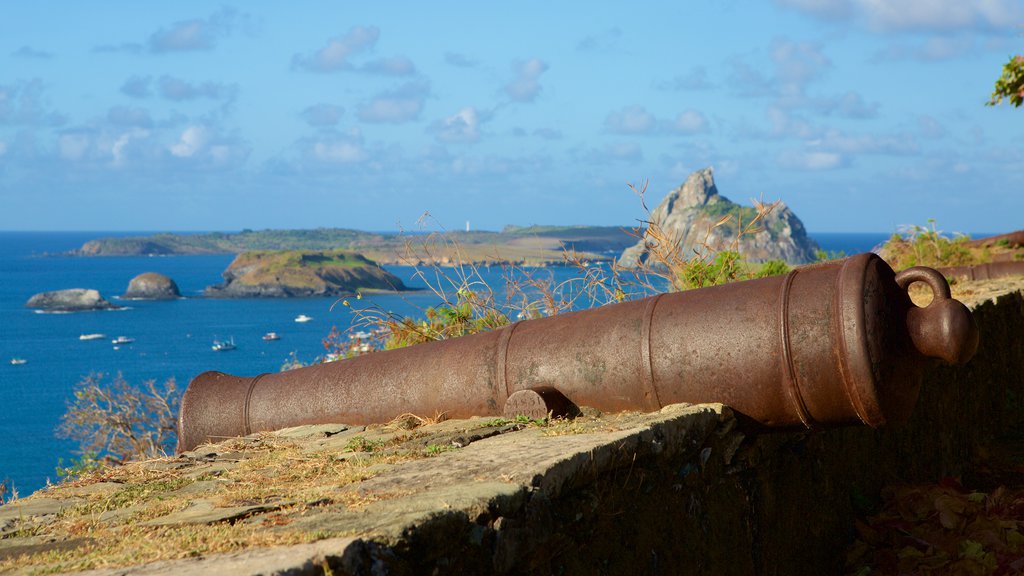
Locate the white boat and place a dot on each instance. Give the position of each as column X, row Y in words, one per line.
column 223, row 345
column 18, row 361
column 271, row 336
column 303, row 318
column 122, row 340
column 92, row 336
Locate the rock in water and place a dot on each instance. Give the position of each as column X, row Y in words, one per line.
column 152, row 286
column 71, row 300
column 298, row 273
column 689, row 213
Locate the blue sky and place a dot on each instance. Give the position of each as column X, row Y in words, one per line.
column 861, row 115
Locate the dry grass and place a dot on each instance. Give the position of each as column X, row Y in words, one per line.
column 274, row 472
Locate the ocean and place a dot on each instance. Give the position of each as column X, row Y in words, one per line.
column 172, row 338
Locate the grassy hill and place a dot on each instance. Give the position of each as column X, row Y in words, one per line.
column 527, row 245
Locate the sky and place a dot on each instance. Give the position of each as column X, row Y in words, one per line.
column 860, row 115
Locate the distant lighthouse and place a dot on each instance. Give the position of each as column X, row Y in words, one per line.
column 467, row 225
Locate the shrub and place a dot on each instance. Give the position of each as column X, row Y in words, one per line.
column 116, row 421
column 927, row 246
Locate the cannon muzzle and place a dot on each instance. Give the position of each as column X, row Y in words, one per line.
column 830, row 344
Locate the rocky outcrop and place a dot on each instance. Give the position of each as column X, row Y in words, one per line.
column 71, row 300
column 297, row 274
column 152, row 286
column 689, row 213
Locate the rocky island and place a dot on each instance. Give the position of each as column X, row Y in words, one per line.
column 70, row 300
column 297, row 274
column 689, row 213
column 152, row 286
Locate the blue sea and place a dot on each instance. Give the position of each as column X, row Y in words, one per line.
column 172, row 338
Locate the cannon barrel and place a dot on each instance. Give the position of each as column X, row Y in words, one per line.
column 989, row 271
column 829, row 344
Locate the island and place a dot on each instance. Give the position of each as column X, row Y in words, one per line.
column 302, row 273
column 695, row 217
column 70, row 300
column 526, row 245
column 152, row 286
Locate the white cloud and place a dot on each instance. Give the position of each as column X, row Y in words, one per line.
column 526, row 86
column 73, row 145
column 178, row 90
column 136, row 87
column 397, row 106
column 459, row 60
column 616, row 152
column 119, row 148
column 810, row 161
column 129, row 116
column 690, row 122
column 887, row 144
column 25, row 103
column 695, row 79
column 395, row 66
column 636, row 120
column 918, row 15
column 31, row 53
column 195, row 34
column 339, row 52
column 461, row 127
column 930, row 128
column 932, row 49
column 940, row 14
column 606, row 41
column 335, row 148
column 631, row 120
column 319, row 115
column 335, row 56
column 339, row 152
column 797, row 63
column 190, row 142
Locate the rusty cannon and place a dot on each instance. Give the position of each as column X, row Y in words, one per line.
column 824, row 345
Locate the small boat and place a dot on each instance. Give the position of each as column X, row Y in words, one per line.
column 271, row 336
column 18, row 361
column 122, row 340
column 303, row 318
column 223, row 345
column 92, row 336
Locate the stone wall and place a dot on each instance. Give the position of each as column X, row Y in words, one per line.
column 745, row 502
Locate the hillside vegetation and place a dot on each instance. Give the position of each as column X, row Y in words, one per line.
column 297, row 273
column 527, row 245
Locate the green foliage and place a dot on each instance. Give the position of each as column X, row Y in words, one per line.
column 84, row 464
column 464, row 316
column 1010, row 85
column 739, row 215
column 435, row 449
column 827, row 256
column 725, row 267
column 364, row 444
column 926, row 246
column 773, row 268
column 521, row 420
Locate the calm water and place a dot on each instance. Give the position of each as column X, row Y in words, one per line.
column 172, row 339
